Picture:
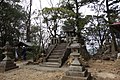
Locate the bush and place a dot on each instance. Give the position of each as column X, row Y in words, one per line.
column 29, row 55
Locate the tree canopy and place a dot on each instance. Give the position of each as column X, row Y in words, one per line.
column 12, row 19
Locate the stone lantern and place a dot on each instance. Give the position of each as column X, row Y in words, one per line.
column 76, row 71
column 7, row 63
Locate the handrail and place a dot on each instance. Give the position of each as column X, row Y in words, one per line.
column 66, row 48
column 50, row 52
column 62, row 59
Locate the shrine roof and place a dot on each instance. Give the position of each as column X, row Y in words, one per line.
column 25, row 44
column 116, row 23
column 116, row 26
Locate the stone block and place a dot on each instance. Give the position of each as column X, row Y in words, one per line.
column 77, row 74
column 7, row 65
column 76, row 62
column 76, row 68
column 76, row 78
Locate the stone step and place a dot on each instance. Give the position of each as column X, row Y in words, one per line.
column 56, row 53
column 60, row 47
column 52, row 60
column 55, row 56
column 55, row 66
column 51, row 64
column 63, row 44
column 61, row 50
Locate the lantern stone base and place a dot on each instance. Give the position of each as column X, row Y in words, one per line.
column 77, row 72
column 6, row 65
column 74, row 73
column 88, row 77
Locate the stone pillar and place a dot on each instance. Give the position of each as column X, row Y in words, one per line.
column 76, row 70
column 7, row 63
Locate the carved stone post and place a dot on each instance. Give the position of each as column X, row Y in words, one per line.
column 76, row 71
column 7, row 63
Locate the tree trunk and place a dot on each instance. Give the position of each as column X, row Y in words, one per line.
column 29, row 24
column 111, row 30
column 77, row 14
column 84, row 51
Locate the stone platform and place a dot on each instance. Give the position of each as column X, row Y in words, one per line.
column 88, row 77
column 7, row 65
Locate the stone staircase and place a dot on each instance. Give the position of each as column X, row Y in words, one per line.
column 57, row 56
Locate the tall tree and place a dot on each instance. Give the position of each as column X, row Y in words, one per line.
column 109, row 11
column 112, row 10
column 12, row 17
column 79, row 19
column 53, row 17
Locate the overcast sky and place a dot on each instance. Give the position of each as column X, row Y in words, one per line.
column 36, row 3
column 46, row 3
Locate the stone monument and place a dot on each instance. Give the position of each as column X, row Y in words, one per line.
column 76, row 71
column 7, row 63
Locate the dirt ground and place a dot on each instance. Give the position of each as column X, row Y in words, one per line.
column 30, row 74
column 100, row 70
column 105, row 70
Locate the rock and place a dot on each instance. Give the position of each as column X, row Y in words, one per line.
column 99, row 61
column 99, row 70
column 118, row 56
column 118, row 72
column 106, row 58
column 29, row 63
column 85, row 64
